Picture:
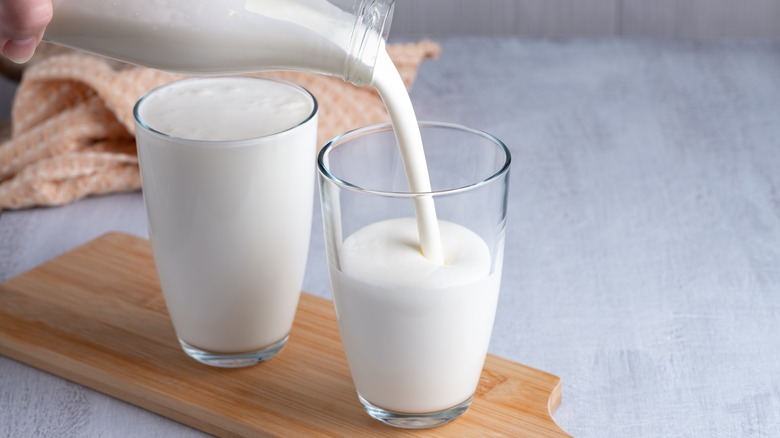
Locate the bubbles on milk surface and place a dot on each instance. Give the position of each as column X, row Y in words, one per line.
column 228, row 109
column 387, row 253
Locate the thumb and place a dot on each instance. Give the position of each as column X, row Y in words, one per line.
column 20, row 51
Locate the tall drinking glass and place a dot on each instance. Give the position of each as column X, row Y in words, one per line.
column 228, row 182
column 415, row 332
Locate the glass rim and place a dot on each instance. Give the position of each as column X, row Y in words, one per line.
column 383, row 127
column 222, row 143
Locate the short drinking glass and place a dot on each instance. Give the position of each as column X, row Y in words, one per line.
column 415, row 332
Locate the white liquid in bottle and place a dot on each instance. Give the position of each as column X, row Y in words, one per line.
column 208, row 36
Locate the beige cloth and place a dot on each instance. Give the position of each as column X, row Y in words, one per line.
column 72, row 122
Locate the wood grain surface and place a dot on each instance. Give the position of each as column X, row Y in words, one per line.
column 96, row 316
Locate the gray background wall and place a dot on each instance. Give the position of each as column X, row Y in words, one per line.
column 698, row 19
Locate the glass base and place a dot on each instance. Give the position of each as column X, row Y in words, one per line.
column 415, row 421
column 228, row 360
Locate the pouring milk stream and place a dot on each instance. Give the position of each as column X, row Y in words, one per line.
column 232, row 36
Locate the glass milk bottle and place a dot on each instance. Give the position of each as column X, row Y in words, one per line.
column 334, row 37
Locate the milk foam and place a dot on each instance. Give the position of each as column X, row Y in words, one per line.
column 224, row 109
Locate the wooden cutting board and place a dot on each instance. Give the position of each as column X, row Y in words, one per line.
column 96, row 316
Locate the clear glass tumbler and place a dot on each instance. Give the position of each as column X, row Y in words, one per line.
column 415, row 332
column 226, row 169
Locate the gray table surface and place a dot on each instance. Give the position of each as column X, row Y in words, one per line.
column 643, row 252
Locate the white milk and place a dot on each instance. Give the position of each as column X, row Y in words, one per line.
column 251, row 205
column 208, row 36
column 415, row 332
column 390, row 86
column 227, row 109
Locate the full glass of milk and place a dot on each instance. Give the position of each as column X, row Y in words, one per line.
column 415, row 330
column 226, row 168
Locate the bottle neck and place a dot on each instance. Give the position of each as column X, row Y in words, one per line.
column 372, row 25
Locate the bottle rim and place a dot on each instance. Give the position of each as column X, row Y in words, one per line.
column 372, row 26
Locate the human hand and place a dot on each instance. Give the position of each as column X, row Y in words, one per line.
column 22, row 23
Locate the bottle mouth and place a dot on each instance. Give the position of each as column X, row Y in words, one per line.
column 372, row 26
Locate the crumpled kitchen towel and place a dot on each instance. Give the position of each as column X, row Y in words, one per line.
column 72, row 129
